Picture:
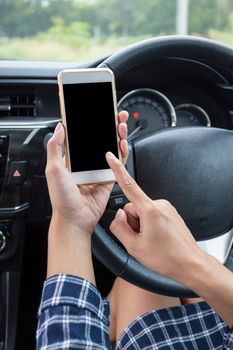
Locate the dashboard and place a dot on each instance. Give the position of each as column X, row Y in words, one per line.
column 164, row 93
column 172, row 93
column 150, row 110
column 176, row 93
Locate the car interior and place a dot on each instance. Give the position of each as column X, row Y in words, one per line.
column 179, row 95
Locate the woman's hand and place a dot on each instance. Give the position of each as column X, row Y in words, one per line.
column 152, row 231
column 155, row 234
column 84, row 205
column 76, row 210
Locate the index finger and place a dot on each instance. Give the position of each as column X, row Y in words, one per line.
column 128, row 185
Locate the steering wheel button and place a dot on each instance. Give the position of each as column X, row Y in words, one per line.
column 116, row 202
column 18, row 172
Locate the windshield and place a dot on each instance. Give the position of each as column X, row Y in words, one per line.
column 81, row 30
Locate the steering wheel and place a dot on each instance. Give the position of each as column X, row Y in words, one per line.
column 190, row 167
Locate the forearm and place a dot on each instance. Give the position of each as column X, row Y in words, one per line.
column 69, row 250
column 214, row 283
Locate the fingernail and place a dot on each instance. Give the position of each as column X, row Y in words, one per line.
column 110, row 155
column 58, row 127
column 120, row 214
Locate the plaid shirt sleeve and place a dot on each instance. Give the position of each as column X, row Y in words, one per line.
column 228, row 339
column 72, row 315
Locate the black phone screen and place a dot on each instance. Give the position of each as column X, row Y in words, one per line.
column 91, row 124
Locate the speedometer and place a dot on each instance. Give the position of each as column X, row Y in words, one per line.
column 149, row 110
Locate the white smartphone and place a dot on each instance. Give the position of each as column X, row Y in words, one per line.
column 89, row 114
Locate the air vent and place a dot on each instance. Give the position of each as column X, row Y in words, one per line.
column 17, row 105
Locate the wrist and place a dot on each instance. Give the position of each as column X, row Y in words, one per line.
column 69, row 250
column 199, row 271
column 63, row 228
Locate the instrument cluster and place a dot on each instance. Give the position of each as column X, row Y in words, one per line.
column 150, row 110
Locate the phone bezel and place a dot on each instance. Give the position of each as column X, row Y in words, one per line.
column 80, row 76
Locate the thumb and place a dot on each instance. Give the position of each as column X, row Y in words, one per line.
column 54, row 151
column 122, row 230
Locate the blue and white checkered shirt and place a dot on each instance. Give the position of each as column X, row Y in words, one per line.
column 73, row 315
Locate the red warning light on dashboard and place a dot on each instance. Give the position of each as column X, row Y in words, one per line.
column 136, row 115
column 16, row 173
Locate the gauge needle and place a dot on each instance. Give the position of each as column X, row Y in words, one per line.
column 134, row 132
column 141, row 124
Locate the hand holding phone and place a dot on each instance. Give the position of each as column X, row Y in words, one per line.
column 76, row 209
column 89, row 114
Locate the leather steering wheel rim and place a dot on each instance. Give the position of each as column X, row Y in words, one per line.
column 104, row 247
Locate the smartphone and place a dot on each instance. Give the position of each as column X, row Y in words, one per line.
column 89, row 114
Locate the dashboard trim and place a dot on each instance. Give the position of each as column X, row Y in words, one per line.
column 28, row 125
column 6, row 213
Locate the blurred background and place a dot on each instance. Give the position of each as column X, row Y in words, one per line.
column 85, row 29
